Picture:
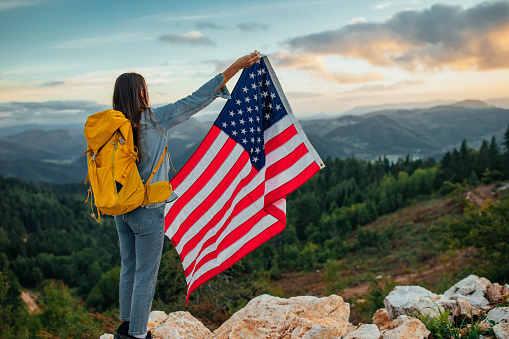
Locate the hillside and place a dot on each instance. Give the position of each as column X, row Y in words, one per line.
column 396, row 133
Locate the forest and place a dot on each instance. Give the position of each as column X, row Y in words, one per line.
column 51, row 246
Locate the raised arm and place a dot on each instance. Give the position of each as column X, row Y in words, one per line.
column 178, row 112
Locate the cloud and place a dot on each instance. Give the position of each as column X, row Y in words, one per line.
column 357, row 21
column 209, row 25
column 48, row 112
column 100, row 40
column 442, row 36
column 52, row 83
column 6, row 5
column 219, row 65
column 386, row 4
column 377, row 88
column 191, row 38
column 302, row 95
column 315, row 65
column 253, row 26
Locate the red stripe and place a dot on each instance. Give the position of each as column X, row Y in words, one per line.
column 280, row 139
column 292, row 185
column 198, row 184
column 212, row 198
column 196, row 157
column 286, row 162
column 250, row 246
column 245, row 202
column 276, row 212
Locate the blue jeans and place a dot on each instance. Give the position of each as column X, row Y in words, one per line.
column 141, row 235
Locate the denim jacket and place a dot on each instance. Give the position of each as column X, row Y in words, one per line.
column 153, row 134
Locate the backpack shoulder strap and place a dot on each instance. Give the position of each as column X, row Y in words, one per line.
column 157, row 166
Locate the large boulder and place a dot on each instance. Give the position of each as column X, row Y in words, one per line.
column 501, row 330
column 406, row 327
column 299, row 317
column 471, row 289
column 366, row 331
column 498, row 315
column 179, row 325
column 494, row 292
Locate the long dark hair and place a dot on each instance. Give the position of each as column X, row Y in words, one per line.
column 130, row 97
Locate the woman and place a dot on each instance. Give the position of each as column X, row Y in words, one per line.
column 141, row 231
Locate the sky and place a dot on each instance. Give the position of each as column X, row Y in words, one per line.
column 59, row 58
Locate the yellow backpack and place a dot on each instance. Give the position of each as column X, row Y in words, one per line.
column 115, row 182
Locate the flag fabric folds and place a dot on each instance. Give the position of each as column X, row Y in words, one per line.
column 232, row 190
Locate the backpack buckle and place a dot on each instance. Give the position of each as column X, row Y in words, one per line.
column 121, row 141
column 93, row 156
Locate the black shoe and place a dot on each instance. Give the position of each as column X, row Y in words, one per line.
column 128, row 336
column 123, row 328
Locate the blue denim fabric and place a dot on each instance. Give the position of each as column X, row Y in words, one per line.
column 153, row 134
column 141, row 231
column 141, row 235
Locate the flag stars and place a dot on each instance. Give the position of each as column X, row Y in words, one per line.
column 247, row 99
column 256, row 108
column 252, row 140
column 244, row 89
column 251, row 130
column 250, row 120
column 253, row 86
column 270, row 105
column 278, row 107
column 263, row 70
column 244, row 141
column 260, row 83
column 243, row 131
column 259, row 72
column 257, row 150
column 242, row 121
column 258, row 130
column 233, row 123
column 272, row 95
column 251, row 75
column 267, row 116
column 255, row 159
column 231, row 113
column 225, row 125
column 255, row 97
column 264, row 94
column 249, row 109
column 238, row 102
column 258, row 140
column 234, row 133
column 240, row 112
column 257, row 119
column 267, row 83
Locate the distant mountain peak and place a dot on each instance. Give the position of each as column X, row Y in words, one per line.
column 472, row 104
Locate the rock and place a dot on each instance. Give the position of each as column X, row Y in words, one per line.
column 501, row 330
column 471, row 289
column 366, row 331
column 156, row 318
column 299, row 317
column 505, row 289
column 466, row 310
column 406, row 327
column 381, row 319
column 181, row 325
column 106, row 336
column 494, row 292
column 407, row 300
column 350, row 328
column 498, row 315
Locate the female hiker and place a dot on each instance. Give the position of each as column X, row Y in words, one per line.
column 141, row 231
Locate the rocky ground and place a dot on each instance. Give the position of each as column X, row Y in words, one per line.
column 472, row 299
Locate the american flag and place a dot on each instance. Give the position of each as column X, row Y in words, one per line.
column 232, row 190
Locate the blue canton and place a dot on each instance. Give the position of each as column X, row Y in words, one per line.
column 255, row 105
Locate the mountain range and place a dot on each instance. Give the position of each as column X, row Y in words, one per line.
column 38, row 153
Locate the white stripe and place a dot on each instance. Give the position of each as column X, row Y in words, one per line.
column 288, row 174
column 196, row 172
column 262, row 225
column 283, row 150
column 202, row 165
column 206, row 190
column 214, row 208
column 250, row 210
column 277, row 128
column 281, row 204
